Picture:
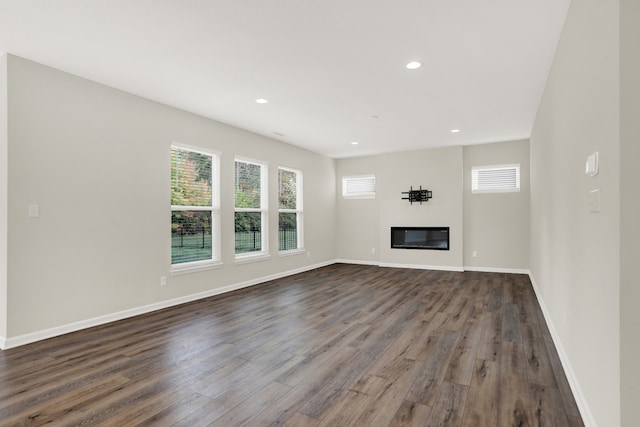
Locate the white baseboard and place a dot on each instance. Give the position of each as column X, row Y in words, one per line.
column 496, row 270
column 12, row 342
column 422, row 267
column 436, row 267
column 356, row 261
column 394, row 265
column 583, row 407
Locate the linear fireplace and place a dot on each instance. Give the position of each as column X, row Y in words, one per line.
column 420, row 238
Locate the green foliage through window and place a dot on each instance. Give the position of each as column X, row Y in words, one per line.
column 190, row 178
column 191, row 206
column 289, row 207
column 248, row 232
column 287, row 191
column 287, row 231
column 248, row 176
column 250, row 207
column 190, row 236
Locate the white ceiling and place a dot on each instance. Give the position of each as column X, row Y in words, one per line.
column 333, row 71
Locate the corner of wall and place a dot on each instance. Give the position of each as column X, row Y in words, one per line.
column 17, row 341
column 629, row 212
column 4, row 167
column 574, row 249
column 581, row 401
column 496, row 226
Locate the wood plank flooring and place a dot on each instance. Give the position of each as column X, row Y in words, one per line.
column 343, row 345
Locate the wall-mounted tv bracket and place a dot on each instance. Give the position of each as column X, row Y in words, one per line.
column 417, row 195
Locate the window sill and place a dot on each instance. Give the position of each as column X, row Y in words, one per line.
column 245, row 259
column 496, row 191
column 360, row 196
column 292, row 252
column 179, row 269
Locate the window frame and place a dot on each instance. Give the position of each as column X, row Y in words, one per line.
column 495, row 189
column 263, row 209
column 216, row 256
column 299, row 211
column 361, row 195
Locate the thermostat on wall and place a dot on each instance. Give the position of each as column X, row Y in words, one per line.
column 592, row 164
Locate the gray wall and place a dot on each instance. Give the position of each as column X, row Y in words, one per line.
column 97, row 162
column 575, row 254
column 439, row 170
column 630, row 211
column 3, row 198
column 496, row 225
column 364, row 224
column 358, row 237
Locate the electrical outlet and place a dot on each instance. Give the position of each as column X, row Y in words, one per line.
column 308, row 254
column 474, row 254
column 373, row 250
column 163, row 280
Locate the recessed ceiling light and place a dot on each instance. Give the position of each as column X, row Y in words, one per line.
column 261, row 101
column 354, row 143
column 455, row 130
column 414, row 65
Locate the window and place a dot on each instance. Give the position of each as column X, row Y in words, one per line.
column 289, row 209
column 251, row 209
column 495, row 179
column 195, row 208
column 359, row 187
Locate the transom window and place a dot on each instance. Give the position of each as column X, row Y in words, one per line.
column 359, row 187
column 289, row 209
column 495, row 179
column 195, row 208
column 251, row 212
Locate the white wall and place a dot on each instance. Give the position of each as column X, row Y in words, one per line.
column 97, row 162
column 496, row 225
column 365, row 224
column 574, row 253
column 3, row 198
column 630, row 211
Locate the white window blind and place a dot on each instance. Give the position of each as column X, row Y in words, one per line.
column 495, row 179
column 363, row 186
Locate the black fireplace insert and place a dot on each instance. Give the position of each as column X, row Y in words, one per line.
column 420, row 238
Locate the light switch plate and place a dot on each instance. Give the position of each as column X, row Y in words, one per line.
column 594, row 200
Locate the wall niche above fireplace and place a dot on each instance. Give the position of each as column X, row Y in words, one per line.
column 420, row 238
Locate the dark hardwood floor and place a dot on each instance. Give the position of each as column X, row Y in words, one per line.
column 344, row 345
